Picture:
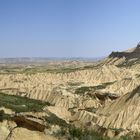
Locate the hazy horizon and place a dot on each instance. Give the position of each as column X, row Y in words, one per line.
column 56, row 58
column 67, row 28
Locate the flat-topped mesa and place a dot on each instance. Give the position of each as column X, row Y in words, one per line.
column 137, row 49
column 118, row 54
column 129, row 54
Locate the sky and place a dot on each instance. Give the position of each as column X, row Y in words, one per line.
column 68, row 28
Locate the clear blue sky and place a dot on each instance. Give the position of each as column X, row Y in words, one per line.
column 67, row 28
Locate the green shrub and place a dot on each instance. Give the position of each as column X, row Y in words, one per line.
column 3, row 115
column 21, row 104
column 84, row 89
column 54, row 120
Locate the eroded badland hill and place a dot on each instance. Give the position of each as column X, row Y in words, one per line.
column 94, row 102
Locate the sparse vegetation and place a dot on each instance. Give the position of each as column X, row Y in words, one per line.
column 71, row 132
column 74, row 83
column 21, row 104
column 85, row 135
column 84, row 89
column 34, row 70
column 92, row 135
column 42, row 69
column 91, row 66
column 3, row 115
column 54, row 120
column 92, row 109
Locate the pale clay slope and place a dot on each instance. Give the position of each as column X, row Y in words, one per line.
column 123, row 113
column 52, row 87
column 40, row 85
column 43, row 86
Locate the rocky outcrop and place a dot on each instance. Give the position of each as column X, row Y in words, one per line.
column 134, row 53
column 29, row 123
column 25, row 134
column 125, row 58
column 24, row 126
